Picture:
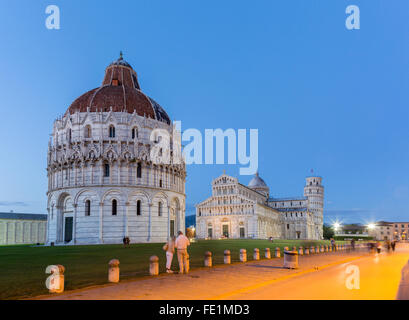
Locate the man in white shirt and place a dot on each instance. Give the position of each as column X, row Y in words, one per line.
column 181, row 244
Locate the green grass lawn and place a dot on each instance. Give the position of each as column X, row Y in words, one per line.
column 22, row 268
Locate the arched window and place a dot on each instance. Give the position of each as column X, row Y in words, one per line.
column 114, row 207
column 88, row 131
column 134, row 133
column 138, row 207
column 88, row 207
column 111, row 131
column 160, row 209
column 69, row 135
column 139, row 170
column 106, row 170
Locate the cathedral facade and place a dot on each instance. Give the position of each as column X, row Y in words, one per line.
column 238, row 211
column 102, row 183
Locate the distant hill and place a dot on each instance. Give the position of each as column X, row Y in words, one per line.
column 190, row 220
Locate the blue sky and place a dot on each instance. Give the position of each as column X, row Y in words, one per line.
column 321, row 96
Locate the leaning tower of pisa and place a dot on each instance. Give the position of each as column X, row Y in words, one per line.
column 314, row 192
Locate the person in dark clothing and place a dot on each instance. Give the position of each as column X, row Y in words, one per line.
column 126, row 241
column 393, row 245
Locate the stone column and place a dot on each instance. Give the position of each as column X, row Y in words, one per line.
column 101, row 177
column 75, row 174
column 46, row 229
column 101, row 214
column 82, row 173
column 150, row 221
column 74, row 227
column 168, row 222
column 119, row 172
column 126, row 218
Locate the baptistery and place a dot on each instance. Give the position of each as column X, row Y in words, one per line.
column 103, row 183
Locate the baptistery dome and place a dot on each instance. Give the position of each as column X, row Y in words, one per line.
column 103, row 184
column 119, row 92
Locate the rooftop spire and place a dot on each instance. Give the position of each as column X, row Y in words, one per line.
column 121, row 55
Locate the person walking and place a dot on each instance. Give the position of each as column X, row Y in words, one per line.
column 169, row 247
column 181, row 244
column 378, row 247
column 393, row 245
column 387, row 245
column 333, row 244
column 353, row 244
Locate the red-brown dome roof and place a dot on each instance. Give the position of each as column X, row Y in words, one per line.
column 120, row 91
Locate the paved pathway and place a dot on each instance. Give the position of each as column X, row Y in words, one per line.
column 265, row 279
column 379, row 277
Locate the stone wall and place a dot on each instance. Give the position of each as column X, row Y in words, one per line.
column 22, row 231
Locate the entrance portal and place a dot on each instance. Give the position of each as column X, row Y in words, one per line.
column 226, row 230
column 68, row 229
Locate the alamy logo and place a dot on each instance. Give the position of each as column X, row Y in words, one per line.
column 54, row 282
column 353, row 277
column 166, row 150
column 53, row 20
column 353, row 20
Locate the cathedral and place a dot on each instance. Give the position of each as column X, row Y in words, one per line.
column 238, row 211
column 102, row 183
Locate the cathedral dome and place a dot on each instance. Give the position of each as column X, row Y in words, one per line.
column 119, row 92
column 257, row 182
column 259, row 185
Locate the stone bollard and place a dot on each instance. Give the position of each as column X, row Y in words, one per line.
column 55, row 282
column 208, row 259
column 291, row 259
column 243, row 255
column 330, row 248
column 300, row 251
column 154, row 266
column 267, row 253
column 256, row 254
column 307, row 251
column 277, row 252
column 227, row 257
column 113, row 271
column 312, row 250
column 322, row 249
column 317, row 249
column 326, row 248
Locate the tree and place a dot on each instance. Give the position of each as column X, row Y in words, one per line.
column 328, row 232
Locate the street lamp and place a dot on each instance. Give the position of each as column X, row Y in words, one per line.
column 336, row 226
column 371, row 226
